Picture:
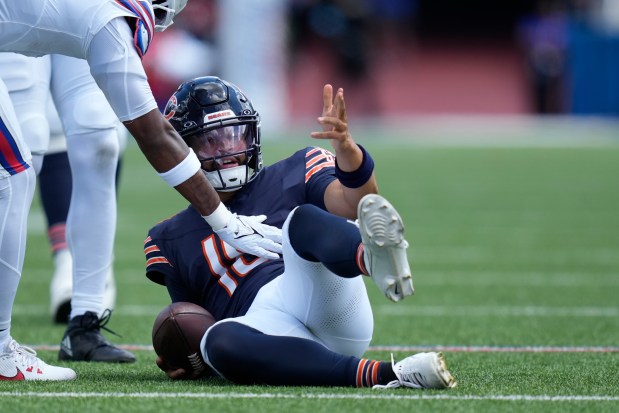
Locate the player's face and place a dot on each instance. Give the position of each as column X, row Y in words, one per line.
column 217, row 143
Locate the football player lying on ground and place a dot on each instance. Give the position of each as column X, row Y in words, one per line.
column 304, row 319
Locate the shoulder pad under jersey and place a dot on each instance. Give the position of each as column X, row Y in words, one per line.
column 143, row 25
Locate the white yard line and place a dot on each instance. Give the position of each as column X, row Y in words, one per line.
column 391, row 310
column 389, row 396
column 496, row 311
column 414, row 349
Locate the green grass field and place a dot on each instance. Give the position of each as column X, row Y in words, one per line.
column 515, row 255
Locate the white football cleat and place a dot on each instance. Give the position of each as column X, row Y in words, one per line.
column 385, row 259
column 61, row 288
column 421, row 371
column 21, row 363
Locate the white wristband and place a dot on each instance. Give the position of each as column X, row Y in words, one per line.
column 183, row 171
column 219, row 218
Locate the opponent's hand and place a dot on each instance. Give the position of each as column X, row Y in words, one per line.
column 248, row 234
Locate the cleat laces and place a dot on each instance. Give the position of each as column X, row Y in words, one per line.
column 412, row 380
column 90, row 321
column 26, row 356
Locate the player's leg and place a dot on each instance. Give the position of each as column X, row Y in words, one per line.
column 385, row 258
column 308, row 300
column 381, row 247
column 17, row 183
column 17, row 362
column 259, row 358
column 93, row 148
column 310, row 326
column 55, row 192
column 308, row 316
column 55, row 185
column 324, row 289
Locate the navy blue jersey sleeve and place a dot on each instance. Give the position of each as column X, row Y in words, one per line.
column 161, row 270
column 157, row 265
column 319, row 173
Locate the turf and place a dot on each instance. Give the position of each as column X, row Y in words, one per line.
column 515, row 255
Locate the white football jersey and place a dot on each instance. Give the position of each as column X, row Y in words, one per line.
column 40, row 27
column 75, row 28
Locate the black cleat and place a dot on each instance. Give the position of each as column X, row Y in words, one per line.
column 83, row 341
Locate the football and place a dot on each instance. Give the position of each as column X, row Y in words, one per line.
column 177, row 332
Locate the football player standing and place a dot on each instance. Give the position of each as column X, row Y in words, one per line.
column 111, row 35
column 93, row 148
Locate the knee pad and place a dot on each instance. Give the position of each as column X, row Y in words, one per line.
column 85, row 113
column 91, row 126
column 35, row 130
column 27, row 80
column 99, row 147
column 21, row 73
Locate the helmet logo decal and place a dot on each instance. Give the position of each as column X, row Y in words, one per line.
column 171, row 107
column 219, row 115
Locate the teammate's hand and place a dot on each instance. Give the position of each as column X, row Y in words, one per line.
column 248, row 234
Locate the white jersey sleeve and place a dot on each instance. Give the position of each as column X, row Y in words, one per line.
column 41, row 27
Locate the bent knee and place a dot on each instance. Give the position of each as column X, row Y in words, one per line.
column 227, row 347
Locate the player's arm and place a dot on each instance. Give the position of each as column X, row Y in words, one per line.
column 161, row 271
column 354, row 166
column 179, row 167
column 165, row 150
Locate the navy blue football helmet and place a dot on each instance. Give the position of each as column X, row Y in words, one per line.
column 220, row 124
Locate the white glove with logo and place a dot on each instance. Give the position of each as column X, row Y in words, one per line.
column 246, row 234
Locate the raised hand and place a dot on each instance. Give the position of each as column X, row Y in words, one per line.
column 334, row 121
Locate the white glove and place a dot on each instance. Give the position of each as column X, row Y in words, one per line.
column 246, row 234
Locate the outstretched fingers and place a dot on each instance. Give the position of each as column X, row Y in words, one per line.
column 327, row 99
column 338, row 129
column 340, row 105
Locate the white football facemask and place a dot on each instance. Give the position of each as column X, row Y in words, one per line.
column 165, row 11
column 228, row 180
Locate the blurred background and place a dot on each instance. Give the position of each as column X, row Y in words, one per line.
column 425, row 64
column 494, row 126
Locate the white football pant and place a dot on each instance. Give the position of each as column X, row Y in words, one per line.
column 16, row 191
column 309, row 301
column 93, row 148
